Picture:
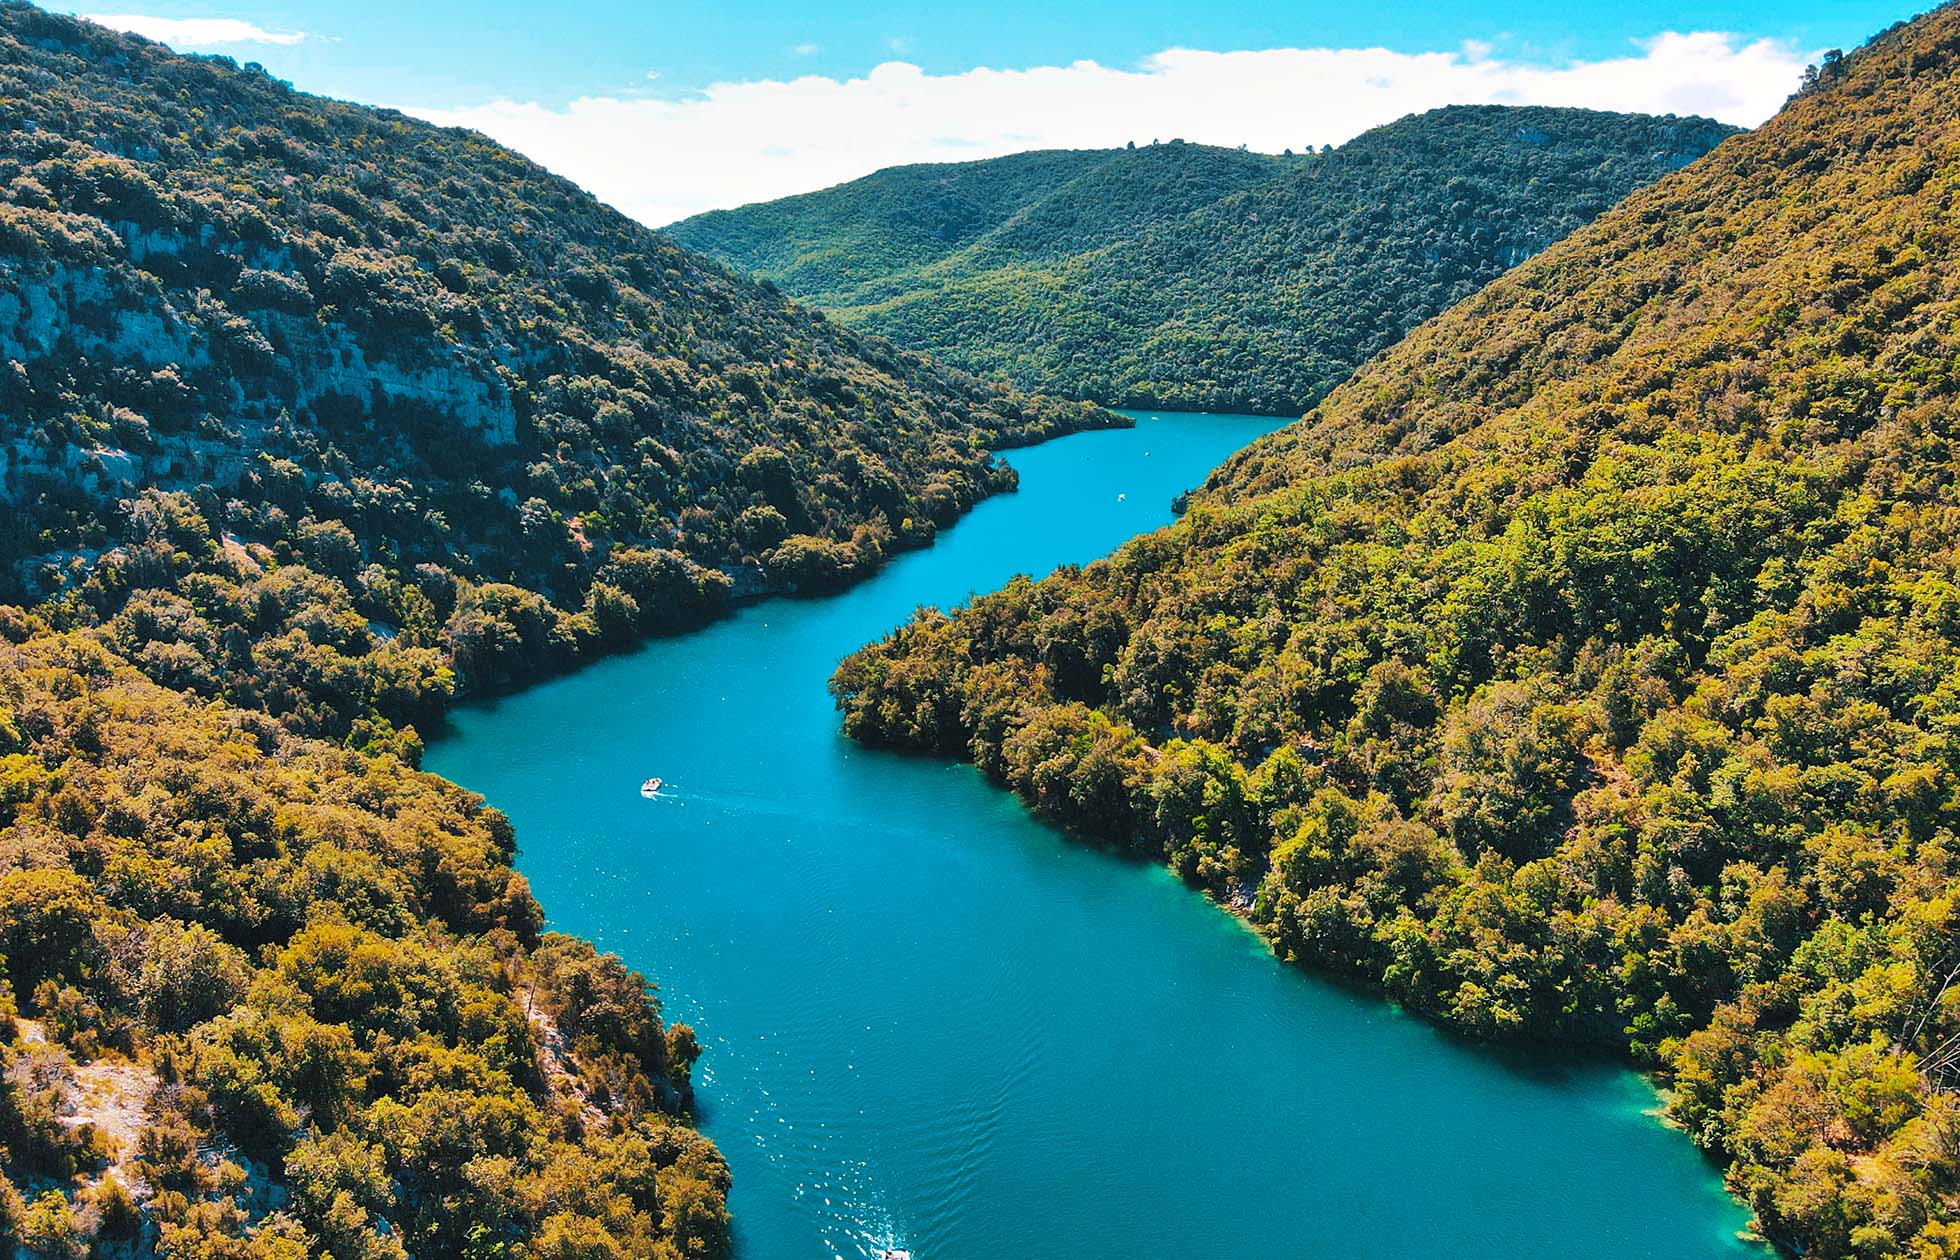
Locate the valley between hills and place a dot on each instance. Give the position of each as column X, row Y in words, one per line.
column 1578, row 673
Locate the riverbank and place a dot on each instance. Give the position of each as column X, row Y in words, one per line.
column 720, row 592
column 929, row 1020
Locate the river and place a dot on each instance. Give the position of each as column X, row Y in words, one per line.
column 930, row 1021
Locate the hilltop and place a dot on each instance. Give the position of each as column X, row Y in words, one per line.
column 842, row 246
column 1187, row 276
column 1583, row 667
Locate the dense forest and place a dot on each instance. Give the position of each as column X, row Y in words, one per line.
column 1191, row 277
column 865, row 236
column 412, row 404
column 1586, row 667
column 264, row 998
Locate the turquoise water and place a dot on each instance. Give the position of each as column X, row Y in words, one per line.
column 931, row 1022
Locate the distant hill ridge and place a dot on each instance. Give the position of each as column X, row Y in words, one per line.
column 1190, row 276
column 828, row 246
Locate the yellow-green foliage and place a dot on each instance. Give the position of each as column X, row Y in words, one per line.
column 338, row 982
column 1589, row 665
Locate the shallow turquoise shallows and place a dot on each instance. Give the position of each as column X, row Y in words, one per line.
column 931, row 1022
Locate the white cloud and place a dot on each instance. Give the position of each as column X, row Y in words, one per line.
column 734, row 143
column 193, row 33
column 807, row 50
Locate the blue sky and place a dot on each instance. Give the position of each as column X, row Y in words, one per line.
column 667, row 107
column 452, row 52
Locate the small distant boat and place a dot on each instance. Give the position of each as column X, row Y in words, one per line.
column 651, row 787
column 893, row 1253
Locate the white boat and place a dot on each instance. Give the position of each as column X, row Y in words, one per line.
column 893, row 1253
column 650, row 788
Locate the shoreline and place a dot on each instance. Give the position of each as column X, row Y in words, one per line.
column 1238, row 910
column 747, row 594
column 671, row 681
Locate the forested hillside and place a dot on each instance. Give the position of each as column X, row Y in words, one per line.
column 1586, row 667
column 842, row 246
column 312, row 415
column 1185, row 276
column 267, row 999
column 417, row 376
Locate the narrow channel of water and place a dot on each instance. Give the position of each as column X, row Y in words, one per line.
column 931, row 1022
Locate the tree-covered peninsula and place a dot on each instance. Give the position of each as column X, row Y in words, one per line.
column 1586, row 667
column 1185, row 276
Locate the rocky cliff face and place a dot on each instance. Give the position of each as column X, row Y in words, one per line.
column 257, row 375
